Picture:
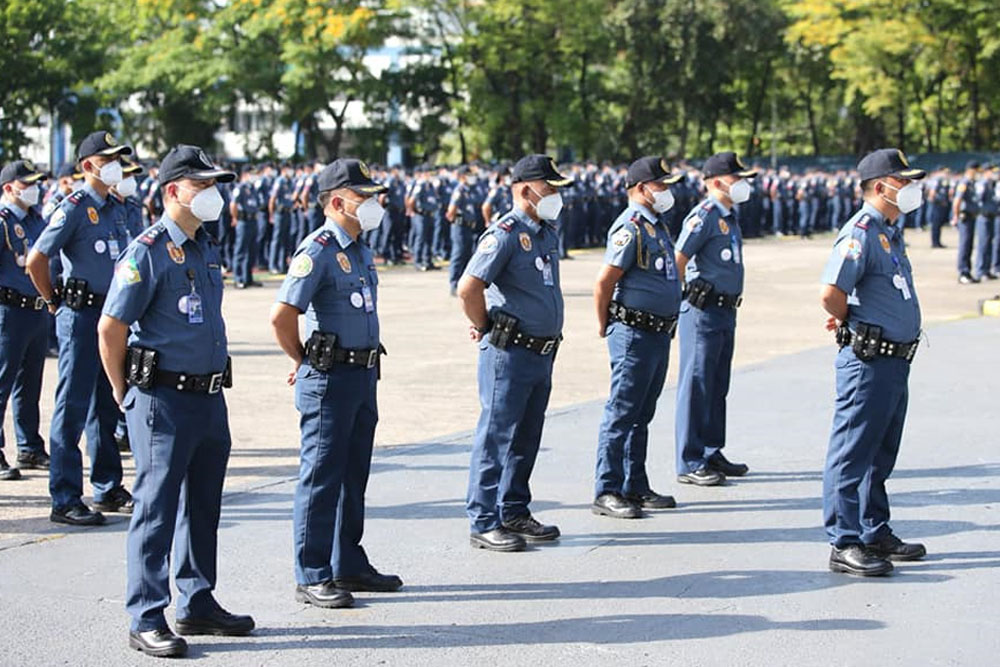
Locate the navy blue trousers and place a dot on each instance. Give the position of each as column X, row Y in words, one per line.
column 23, row 342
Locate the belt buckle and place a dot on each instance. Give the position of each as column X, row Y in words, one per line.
column 547, row 348
column 215, row 383
column 372, row 358
column 39, row 303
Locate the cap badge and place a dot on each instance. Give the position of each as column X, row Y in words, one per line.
column 108, row 139
column 902, row 158
column 664, row 167
column 204, row 159
column 28, row 165
column 739, row 162
column 363, row 168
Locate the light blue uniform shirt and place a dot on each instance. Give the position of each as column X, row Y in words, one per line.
column 711, row 239
column 640, row 246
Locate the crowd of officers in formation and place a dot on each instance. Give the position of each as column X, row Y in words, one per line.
column 132, row 269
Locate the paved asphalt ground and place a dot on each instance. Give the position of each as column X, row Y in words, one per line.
column 733, row 576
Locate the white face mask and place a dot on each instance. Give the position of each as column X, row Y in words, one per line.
column 111, row 173
column 368, row 214
column 127, row 187
column 663, row 201
column 207, row 204
column 739, row 191
column 908, row 198
column 548, row 207
column 29, row 195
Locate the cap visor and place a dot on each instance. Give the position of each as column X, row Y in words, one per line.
column 560, row 183
column 373, row 189
column 912, row 174
column 115, row 150
column 221, row 175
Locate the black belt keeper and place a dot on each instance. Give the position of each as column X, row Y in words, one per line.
column 322, row 353
column 11, row 297
column 640, row 319
column 867, row 343
column 78, row 296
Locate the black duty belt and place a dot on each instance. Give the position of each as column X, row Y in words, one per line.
column 538, row 345
column 11, row 297
column 77, row 295
column 322, row 354
column 197, row 384
column 877, row 346
column 641, row 319
column 701, row 294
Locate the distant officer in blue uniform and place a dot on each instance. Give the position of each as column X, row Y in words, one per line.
column 244, row 207
column 465, row 215
column 868, row 291
column 510, row 293
column 395, row 203
column 332, row 279
column 637, row 296
column 939, row 198
column 986, row 223
column 280, row 209
column 422, row 204
column 164, row 347
column 498, row 199
column 88, row 230
column 24, row 329
column 965, row 210
column 710, row 257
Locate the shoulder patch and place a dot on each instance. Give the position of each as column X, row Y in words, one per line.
column 488, row 244
column 127, row 272
column 850, row 249
column 301, row 266
column 324, row 238
column 621, row 238
column 149, row 236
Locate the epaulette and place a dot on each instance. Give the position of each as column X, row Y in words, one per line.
column 636, row 218
column 506, row 225
column 324, row 237
column 5, row 213
column 76, row 197
column 149, row 236
column 862, row 222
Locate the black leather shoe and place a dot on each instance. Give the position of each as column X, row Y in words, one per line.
column 531, row 530
column 159, row 643
column 76, row 515
column 8, row 474
column 651, row 500
column 498, row 539
column 615, row 506
column 703, row 476
column 33, row 460
column 118, row 500
column 857, row 560
column 324, row 595
column 219, row 622
column 373, row 582
column 893, row 548
column 719, row 463
column 967, row 279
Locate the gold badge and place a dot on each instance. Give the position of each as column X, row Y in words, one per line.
column 525, row 241
column 364, row 169
column 650, row 229
column 664, row 166
column 739, row 162
column 902, row 158
column 344, row 261
column 92, row 214
column 176, row 254
column 28, row 165
column 883, row 239
column 18, row 231
column 723, row 226
column 108, row 139
column 552, row 163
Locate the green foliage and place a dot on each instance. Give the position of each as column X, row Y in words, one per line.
column 588, row 79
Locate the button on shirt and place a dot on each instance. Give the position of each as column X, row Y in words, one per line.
column 870, row 265
column 152, row 292
column 90, row 233
column 641, row 247
column 711, row 239
column 518, row 258
column 19, row 230
column 332, row 279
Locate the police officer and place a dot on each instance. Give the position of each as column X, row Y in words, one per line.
column 422, row 205
column 510, row 293
column 244, row 208
column 498, row 199
column 88, row 229
column 937, row 206
column 872, row 301
column 280, row 210
column 710, row 256
column 332, row 279
column 989, row 207
column 964, row 211
column 163, row 345
column 464, row 213
column 637, row 296
column 23, row 320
